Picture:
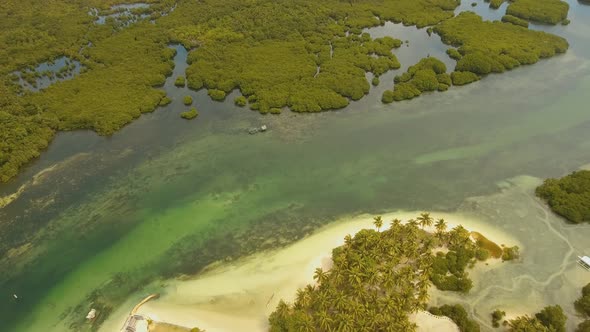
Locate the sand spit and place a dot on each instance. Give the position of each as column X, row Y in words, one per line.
column 239, row 296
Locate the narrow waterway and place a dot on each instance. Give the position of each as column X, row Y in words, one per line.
column 166, row 196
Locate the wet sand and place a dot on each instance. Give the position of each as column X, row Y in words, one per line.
column 242, row 294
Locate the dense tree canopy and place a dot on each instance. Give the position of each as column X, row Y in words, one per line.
column 304, row 55
column 568, row 196
column 496, row 46
column 377, row 278
column 427, row 75
column 553, row 318
column 583, row 303
column 584, row 326
column 544, row 11
column 527, row 324
column 458, row 314
column 515, row 20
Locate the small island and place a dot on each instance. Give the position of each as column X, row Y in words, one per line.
column 180, row 81
column 193, row 113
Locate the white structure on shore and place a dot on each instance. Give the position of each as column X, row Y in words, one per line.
column 584, row 261
column 135, row 323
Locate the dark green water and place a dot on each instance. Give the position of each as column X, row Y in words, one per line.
column 166, row 196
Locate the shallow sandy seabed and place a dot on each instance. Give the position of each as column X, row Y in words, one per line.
column 240, row 296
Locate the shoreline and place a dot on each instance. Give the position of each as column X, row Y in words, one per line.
column 242, row 294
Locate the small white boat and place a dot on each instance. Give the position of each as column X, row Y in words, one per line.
column 91, row 314
column 584, row 261
column 14, row 295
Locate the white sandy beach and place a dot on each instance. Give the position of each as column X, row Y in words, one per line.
column 239, row 296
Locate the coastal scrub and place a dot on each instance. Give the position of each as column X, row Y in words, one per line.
column 568, row 196
column 543, row 11
column 478, row 38
column 193, row 113
column 429, row 74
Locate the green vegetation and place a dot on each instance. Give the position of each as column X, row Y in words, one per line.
column 373, row 284
column 515, row 20
column 584, row 326
column 510, row 253
column 566, row 22
column 553, row 318
column 496, row 3
column 458, row 315
column 165, row 101
column 544, row 11
column 583, row 303
column 187, row 100
column 22, row 138
column 569, row 196
column 193, row 113
column 448, row 269
column 550, row 319
column 387, row 97
column 497, row 316
column 463, row 77
column 274, row 60
column 217, row 95
column 483, row 52
column 240, row 101
column 583, row 307
column 491, row 247
column 375, row 81
column 454, row 54
column 427, row 75
column 180, row 81
column 115, row 87
column 527, row 324
column 278, row 57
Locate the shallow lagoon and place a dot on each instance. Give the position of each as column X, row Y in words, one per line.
column 167, row 196
column 60, row 69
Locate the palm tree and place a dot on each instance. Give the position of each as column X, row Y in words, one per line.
column 282, row 309
column 395, row 223
column 303, row 296
column 378, row 222
column 324, row 320
column 337, row 276
column 412, row 223
column 340, row 301
column 320, row 276
column 411, row 230
column 441, row 227
column 304, row 323
column 346, row 324
column 458, row 235
column 348, row 240
column 425, row 220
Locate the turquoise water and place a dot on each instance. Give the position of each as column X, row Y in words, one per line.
column 166, row 196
